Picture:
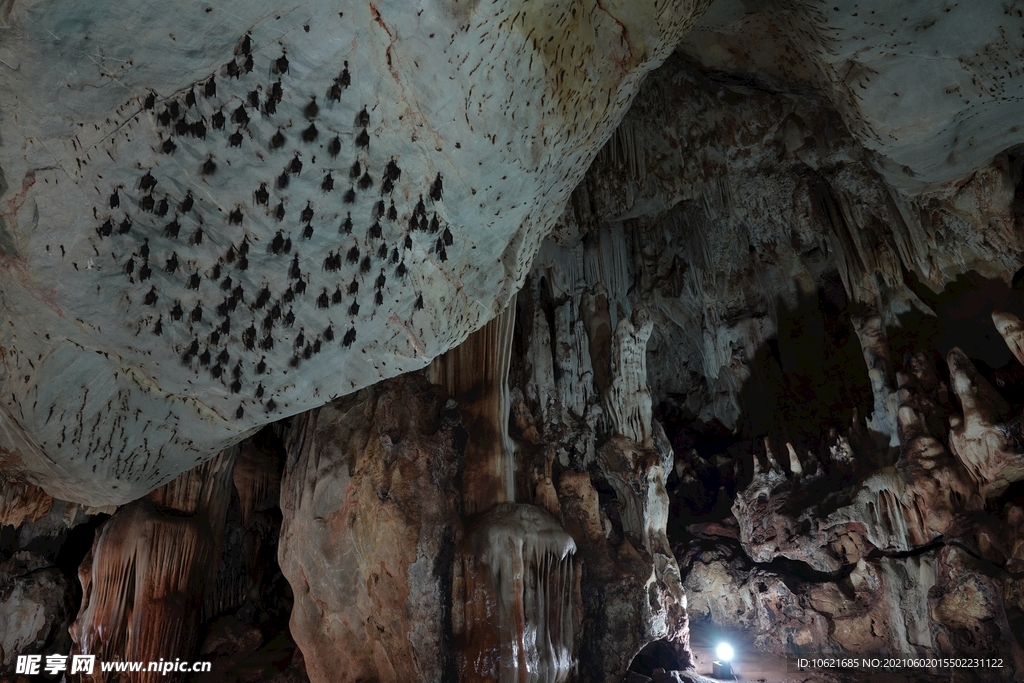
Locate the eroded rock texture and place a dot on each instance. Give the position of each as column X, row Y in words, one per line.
column 41, row 541
column 589, row 450
column 35, row 607
column 371, row 523
column 188, row 572
column 931, row 90
column 215, row 219
column 145, row 580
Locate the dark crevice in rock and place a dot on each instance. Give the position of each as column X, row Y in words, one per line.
column 937, row 544
column 746, row 81
column 444, row 563
column 785, row 568
column 661, row 654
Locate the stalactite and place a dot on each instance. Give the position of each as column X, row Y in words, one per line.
column 628, row 400
column 257, row 479
column 22, row 502
column 519, row 588
column 145, row 580
column 596, row 320
column 203, row 489
column 475, row 374
column 144, row 588
column 559, row 353
column 606, row 260
column 541, row 386
column 875, row 347
column 623, row 152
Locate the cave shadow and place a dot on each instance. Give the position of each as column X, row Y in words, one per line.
column 659, row 654
column 810, row 382
column 963, row 319
column 807, row 380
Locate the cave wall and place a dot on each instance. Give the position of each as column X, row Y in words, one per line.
column 765, row 373
column 589, row 449
column 371, row 522
column 833, row 358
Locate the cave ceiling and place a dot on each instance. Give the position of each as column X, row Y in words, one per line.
column 211, row 219
column 215, row 219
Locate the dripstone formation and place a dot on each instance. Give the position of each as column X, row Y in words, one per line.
column 512, row 342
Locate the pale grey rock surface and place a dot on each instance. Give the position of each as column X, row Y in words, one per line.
column 934, row 88
column 131, row 348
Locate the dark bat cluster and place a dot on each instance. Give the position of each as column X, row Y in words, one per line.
column 222, row 327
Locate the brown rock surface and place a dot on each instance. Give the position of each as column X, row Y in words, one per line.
column 516, row 598
column 148, row 573
column 34, row 608
column 371, row 523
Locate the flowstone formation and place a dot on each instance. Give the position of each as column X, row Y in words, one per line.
column 517, row 598
column 212, row 220
column 145, row 580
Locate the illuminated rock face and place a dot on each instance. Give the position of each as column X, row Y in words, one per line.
column 211, row 220
column 835, row 360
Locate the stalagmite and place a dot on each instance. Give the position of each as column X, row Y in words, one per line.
column 775, row 467
column 794, row 461
column 982, row 441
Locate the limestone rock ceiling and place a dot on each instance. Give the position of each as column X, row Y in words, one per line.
column 934, row 88
column 213, row 219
